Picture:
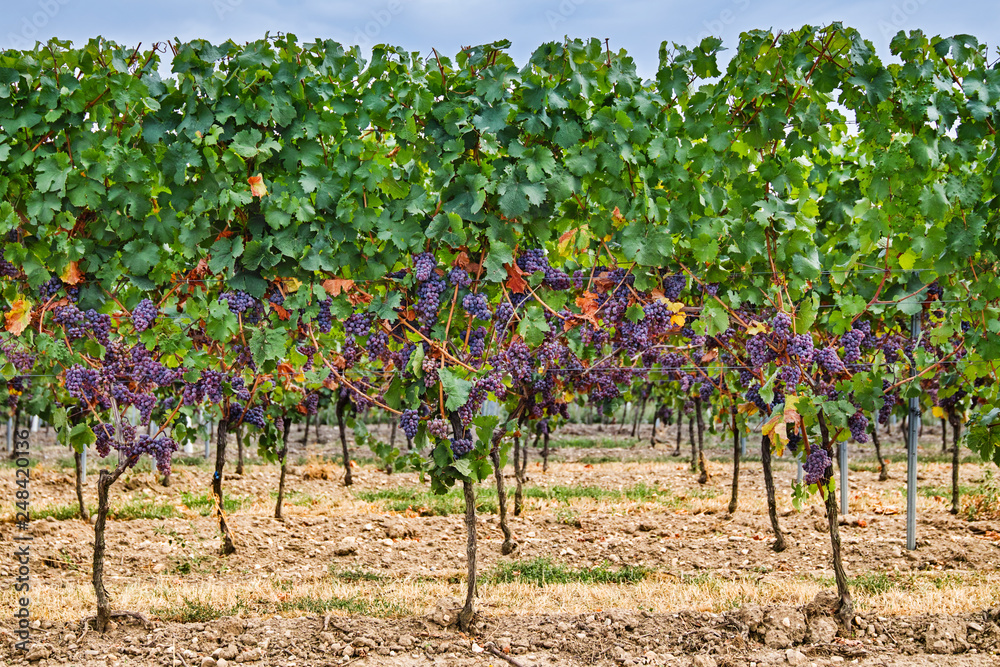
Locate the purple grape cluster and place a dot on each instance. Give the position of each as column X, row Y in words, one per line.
column 161, row 449
column 105, row 437
column 790, row 375
column 459, row 277
column 858, row 424
column 276, row 297
column 74, row 321
column 801, row 346
column 144, row 314
column 99, row 325
column 8, row 270
column 254, row 416
column 712, row 289
column 674, row 285
column 212, row 381
column 240, row 391
column 477, row 341
column 477, row 306
column 781, row 325
column 461, row 446
column 81, row 382
column 358, row 324
column 852, row 345
column 438, row 428
column 816, row 464
column 239, row 301
column 753, row 396
column 429, row 298
column 830, row 362
column 409, row 421
column 324, row 320
column 311, row 403
column 888, row 402
column 49, row 288
column 20, row 359
column 424, row 264
column 758, row 350
column 533, row 260
column 378, row 345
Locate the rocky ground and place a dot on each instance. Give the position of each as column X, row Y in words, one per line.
column 645, row 566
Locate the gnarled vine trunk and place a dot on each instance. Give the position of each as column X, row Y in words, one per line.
column 956, row 425
column 342, row 403
column 104, row 482
column 703, row 477
column 883, row 474
column 286, row 424
column 736, row 467
column 772, row 505
column 845, row 609
column 78, row 461
column 228, row 546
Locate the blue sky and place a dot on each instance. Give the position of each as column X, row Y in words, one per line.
column 639, row 26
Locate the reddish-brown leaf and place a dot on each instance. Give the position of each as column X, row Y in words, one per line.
column 515, row 279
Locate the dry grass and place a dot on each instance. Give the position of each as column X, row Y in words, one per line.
column 660, row 593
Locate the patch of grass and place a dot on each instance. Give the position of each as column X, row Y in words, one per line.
column 193, row 564
column 425, row 503
column 606, row 442
column 543, row 571
column 194, row 461
column 945, row 491
column 378, row 608
column 143, row 509
column 196, row 611
column 353, row 576
column 204, row 503
column 60, row 512
column 294, row 497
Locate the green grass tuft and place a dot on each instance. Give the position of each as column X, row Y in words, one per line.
column 543, row 571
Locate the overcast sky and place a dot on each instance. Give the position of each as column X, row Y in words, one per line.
column 639, row 26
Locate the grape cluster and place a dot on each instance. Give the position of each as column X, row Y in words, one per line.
column 359, row 324
column 461, row 446
column 712, row 289
column 429, row 297
column 105, row 437
column 438, row 428
column 477, row 342
column 324, row 320
column 161, row 449
column 858, row 424
column 533, row 260
column 276, row 297
column 254, row 416
column 409, row 421
column 239, row 301
column 49, row 288
column 781, row 325
column 459, row 277
column 8, row 270
column 424, row 264
column 21, row 360
column 311, row 403
column 831, row 363
column 816, row 464
column 758, row 350
column 144, row 403
column 240, row 391
column 477, row 306
column 674, row 285
column 852, row 345
column 74, row 321
column 753, row 396
column 212, row 383
column 888, row 402
column 790, row 375
column 801, row 346
column 99, row 325
column 378, row 345
column 144, row 314
column 82, row 382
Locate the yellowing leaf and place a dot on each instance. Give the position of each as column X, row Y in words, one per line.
column 257, row 187
column 335, row 286
column 938, row 412
column 291, row 285
column 756, row 328
column 907, row 259
column 19, row 316
column 71, row 274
